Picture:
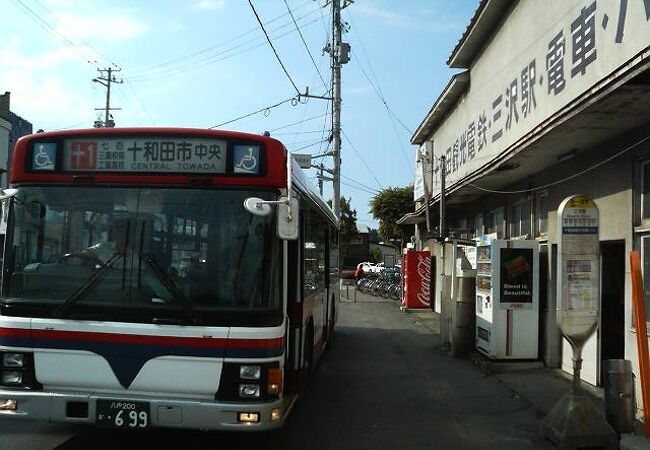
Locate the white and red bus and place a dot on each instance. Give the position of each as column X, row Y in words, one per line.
column 161, row 277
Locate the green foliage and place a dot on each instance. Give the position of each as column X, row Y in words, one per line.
column 375, row 255
column 390, row 205
column 347, row 221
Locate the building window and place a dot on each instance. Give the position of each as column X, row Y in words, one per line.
column 478, row 225
column 519, row 220
column 645, row 190
column 495, row 222
column 541, row 214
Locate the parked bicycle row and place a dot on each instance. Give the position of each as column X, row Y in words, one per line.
column 386, row 284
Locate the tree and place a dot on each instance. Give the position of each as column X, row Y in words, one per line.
column 390, row 205
column 347, row 221
column 375, row 255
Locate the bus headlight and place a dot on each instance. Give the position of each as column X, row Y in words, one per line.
column 13, row 360
column 250, row 372
column 249, row 390
column 12, row 377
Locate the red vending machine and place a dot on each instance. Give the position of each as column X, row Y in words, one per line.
column 416, row 279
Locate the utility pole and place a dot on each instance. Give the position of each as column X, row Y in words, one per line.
column 340, row 54
column 322, row 177
column 106, row 81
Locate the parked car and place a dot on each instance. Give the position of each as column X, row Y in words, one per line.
column 369, row 267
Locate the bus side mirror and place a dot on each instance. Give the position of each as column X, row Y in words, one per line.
column 288, row 218
column 287, row 215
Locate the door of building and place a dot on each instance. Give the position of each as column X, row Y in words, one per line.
column 612, row 309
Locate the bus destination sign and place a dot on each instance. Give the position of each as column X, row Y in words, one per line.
column 143, row 154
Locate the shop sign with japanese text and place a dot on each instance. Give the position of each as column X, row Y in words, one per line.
column 546, row 54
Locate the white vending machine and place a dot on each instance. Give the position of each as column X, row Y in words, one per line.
column 507, row 298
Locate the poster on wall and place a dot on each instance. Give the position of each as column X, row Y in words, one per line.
column 516, row 278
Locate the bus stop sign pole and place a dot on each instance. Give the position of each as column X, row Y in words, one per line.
column 574, row 422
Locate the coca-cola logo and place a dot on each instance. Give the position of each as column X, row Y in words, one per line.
column 424, row 271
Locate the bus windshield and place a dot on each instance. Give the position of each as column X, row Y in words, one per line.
column 140, row 254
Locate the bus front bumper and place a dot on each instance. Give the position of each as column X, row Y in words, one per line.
column 81, row 408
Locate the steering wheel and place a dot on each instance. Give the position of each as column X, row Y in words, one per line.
column 81, row 259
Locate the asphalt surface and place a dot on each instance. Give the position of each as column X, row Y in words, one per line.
column 383, row 384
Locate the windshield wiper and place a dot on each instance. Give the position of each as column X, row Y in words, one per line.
column 87, row 286
column 177, row 295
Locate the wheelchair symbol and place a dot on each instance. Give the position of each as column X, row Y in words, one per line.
column 42, row 159
column 248, row 162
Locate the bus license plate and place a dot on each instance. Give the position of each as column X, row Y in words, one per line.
column 122, row 414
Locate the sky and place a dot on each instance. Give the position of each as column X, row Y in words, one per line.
column 204, row 63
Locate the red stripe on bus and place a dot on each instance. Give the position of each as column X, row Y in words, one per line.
column 141, row 339
column 15, row 332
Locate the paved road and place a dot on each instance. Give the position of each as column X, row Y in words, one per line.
column 383, row 385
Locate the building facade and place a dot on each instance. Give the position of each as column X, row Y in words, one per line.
column 550, row 101
column 12, row 127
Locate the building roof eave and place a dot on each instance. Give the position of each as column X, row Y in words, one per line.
column 456, row 87
column 482, row 25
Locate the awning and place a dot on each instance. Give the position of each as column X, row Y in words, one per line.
column 410, row 219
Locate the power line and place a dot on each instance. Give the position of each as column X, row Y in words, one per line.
column 352, row 180
column 216, row 57
column 106, row 58
column 51, row 30
column 300, row 132
column 358, row 188
column 267, row 108
column 361, row 158
column 220, row 44
column 305, row 141
column 305, row 43
column 135, row 95
column 382, row 98
column 305, row 146
column 377, row 88
column 273, row 48
column 571, row 177
column 298, row 123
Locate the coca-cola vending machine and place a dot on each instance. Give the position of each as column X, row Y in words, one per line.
column 416, row 279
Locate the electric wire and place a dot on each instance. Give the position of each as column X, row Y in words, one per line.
column 319, row 140
column 89, row 46
column 215, row 46
column 352, row 180
column 363, row 161
column 267, row 108
column 272, row 47
column 299, row 132
column 563, row 180
column 358, row 188
column 299, row 122
column 215, row 57
column 219, row 56
column 51, row 30
column 304, row 147
column 305, row 43
column 135, row 116
column 137, row 98
column 377, row 88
